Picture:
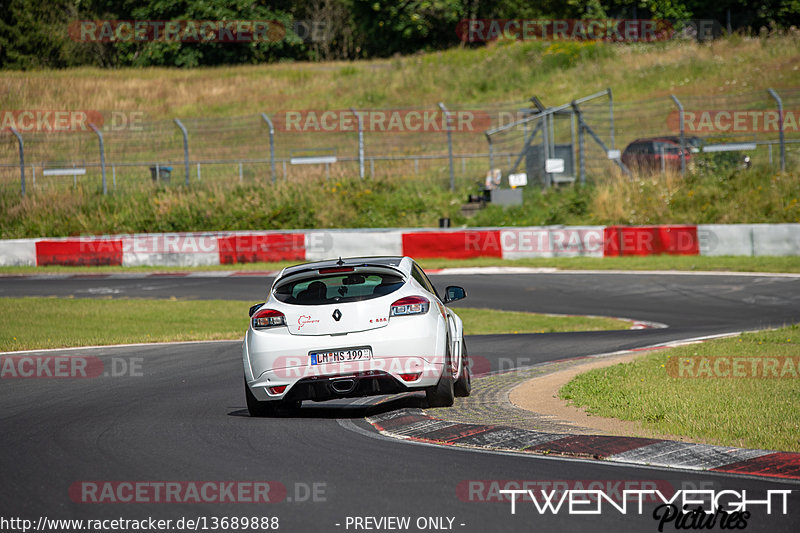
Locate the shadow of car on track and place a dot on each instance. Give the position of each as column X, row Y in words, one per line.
column 334, row 409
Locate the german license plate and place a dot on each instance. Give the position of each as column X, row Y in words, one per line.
column 341, row 355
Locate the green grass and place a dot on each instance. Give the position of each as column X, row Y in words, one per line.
column 556, row 72
column 85, row 322
column 759, row 195
column 744, row 412
column 790, row 264
column 96, row 322
column 489, row 321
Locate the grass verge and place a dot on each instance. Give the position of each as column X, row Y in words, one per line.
column 89, row 322
column 556, row 72
column 758, row 195
column 789, row 264
column 750, row 412
column 475, row 322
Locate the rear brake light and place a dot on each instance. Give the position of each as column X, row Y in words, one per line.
column 411, row 377
column 278, row 389
column 336, row 270
column 268, row 318
column 410, row 305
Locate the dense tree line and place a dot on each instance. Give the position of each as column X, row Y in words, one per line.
column 36, row 33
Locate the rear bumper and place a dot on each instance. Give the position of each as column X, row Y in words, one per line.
column 352, row 386
column 408, row 354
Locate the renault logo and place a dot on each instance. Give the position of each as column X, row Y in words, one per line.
column 337, row 315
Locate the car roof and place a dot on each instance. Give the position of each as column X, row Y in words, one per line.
column 668, row 138
column 390, row 261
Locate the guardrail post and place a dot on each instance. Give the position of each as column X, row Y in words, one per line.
column 185, row 149
column 780, row 126
column 449, row 145
column 21, row 158
column 683, row 135
column 360, row 143
column 102, row 156
column 271, row 145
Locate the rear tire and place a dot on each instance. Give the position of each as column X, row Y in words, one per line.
column 463, row 386
column 442, row 394
column 260, row 409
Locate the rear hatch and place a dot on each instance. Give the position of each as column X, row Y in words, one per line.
column 338, row 300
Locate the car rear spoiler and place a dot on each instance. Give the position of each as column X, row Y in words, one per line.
column 354, row 266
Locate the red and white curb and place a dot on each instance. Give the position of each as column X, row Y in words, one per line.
column 416, row 425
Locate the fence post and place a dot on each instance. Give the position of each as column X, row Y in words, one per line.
column 780, row 125
column 576, row 111
column 548, row 178
column 360, row 143
column 611, row 115
column 491, row 151
column 271, row 144
column 572, row 138
column 449, row 145
column 102, row 156
column 683, row 135
column 582, row 152
column 21, row 158
column 185, row 149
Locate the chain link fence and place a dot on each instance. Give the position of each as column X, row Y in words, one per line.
column 573, row 141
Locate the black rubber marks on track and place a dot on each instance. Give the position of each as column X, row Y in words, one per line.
column 415, row 424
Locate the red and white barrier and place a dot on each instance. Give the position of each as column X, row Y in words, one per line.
column 749, row 239
column 650, row 240
column 215, row 248
column 352, row 243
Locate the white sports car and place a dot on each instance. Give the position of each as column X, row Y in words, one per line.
column 354, row 327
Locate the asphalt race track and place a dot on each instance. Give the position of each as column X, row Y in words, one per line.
column 177, row 413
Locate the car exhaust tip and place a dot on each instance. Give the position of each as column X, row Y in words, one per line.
column 343, row 386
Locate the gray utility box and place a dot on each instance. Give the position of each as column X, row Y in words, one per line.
column 505, row 196
column 534, row 163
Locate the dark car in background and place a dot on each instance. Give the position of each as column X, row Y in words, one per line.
column 656, row 154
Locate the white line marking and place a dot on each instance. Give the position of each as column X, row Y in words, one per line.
column 106, row 346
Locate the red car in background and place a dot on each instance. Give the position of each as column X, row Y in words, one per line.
column 657, row 154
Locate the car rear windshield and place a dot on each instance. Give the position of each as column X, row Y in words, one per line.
column 340, row 288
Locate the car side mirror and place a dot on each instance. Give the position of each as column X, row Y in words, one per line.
column 255, row 308
column 453, row 293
